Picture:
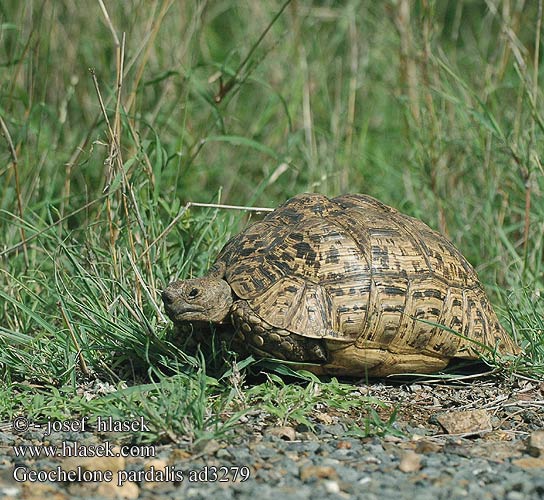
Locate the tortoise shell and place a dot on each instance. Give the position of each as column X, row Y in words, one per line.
column 379, row 290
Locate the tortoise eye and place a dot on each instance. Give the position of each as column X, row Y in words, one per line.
column 193, row 293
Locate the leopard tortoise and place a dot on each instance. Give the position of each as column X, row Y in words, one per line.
column 349, row 285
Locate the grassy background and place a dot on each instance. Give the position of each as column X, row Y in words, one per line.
column 435, row 107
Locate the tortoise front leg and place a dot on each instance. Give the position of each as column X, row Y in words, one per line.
column 269, row 341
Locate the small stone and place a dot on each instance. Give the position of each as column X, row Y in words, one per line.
column 498, row 435
column 307, row 436
column 179, row 454
column 9, row 491
column 128, row 490
column 410, row 461
column 207, row 447
column 264, row 451
column 465, row 422
column 417, row 437
column 284, row 432
column 496, row 450
column 428, row 446
column 343, row 445
column 223, row 453
column 6, row 439
column 392, row 439
column 515, row 495
column 332, row 429
column 317, row 472
column 529, row 462
column 86, row 490
column 38, row 491
column 332, row 487
column 157, row 464
column 535, row 444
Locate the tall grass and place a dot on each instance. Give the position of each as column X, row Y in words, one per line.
column 115, row 115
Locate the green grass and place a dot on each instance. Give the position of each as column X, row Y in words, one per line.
column 293, row 404
column 436, row 110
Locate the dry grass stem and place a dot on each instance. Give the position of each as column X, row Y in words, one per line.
column 80, row 357
column 15, row 165
column 408, row 65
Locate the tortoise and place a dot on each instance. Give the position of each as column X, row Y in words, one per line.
column 344, row 286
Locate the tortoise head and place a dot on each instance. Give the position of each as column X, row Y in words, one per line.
column 200, row 299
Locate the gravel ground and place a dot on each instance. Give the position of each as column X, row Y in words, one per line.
column 499, row 454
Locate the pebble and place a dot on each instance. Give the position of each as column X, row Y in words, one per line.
column 515, row 495
column 9, row 491
column 6, row 439
column 317, row 472
column 332, row 487
column 530, row 462
column 128, row 491
column 265, row 451
column 223, row 454
column 410, row 461
column 330, row 430
column 284, row 432
column 535, row 444
column 304, row 446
